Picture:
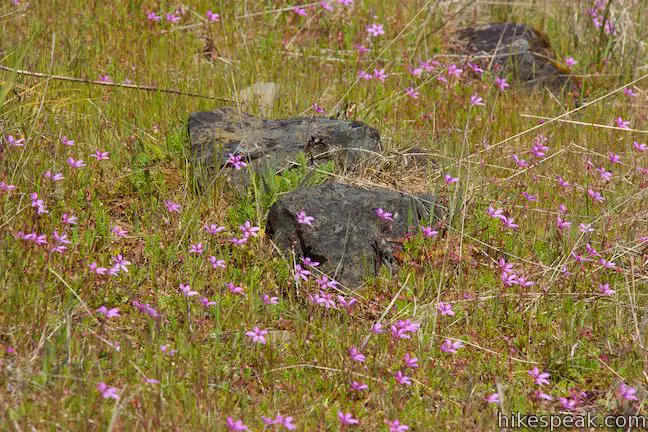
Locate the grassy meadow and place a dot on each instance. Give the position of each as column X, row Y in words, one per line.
column 532, row 297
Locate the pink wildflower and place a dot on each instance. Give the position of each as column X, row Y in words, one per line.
column 347, row 419
column 257, row 335
column 107, row 392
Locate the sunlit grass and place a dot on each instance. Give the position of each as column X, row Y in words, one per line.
column 56, row 348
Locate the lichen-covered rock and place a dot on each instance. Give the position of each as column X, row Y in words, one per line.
column 261, row 143
column 515, row 48
column 347, row 237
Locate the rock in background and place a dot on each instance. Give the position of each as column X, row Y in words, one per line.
column 259, row 95
column 516, row 48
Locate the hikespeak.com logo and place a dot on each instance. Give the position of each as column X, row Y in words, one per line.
column 551, row 422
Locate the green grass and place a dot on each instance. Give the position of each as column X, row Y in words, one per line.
column 63, row 349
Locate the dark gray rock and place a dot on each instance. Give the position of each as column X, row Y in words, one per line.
column 347, row 237
column 214, row 135
column 515, row 48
